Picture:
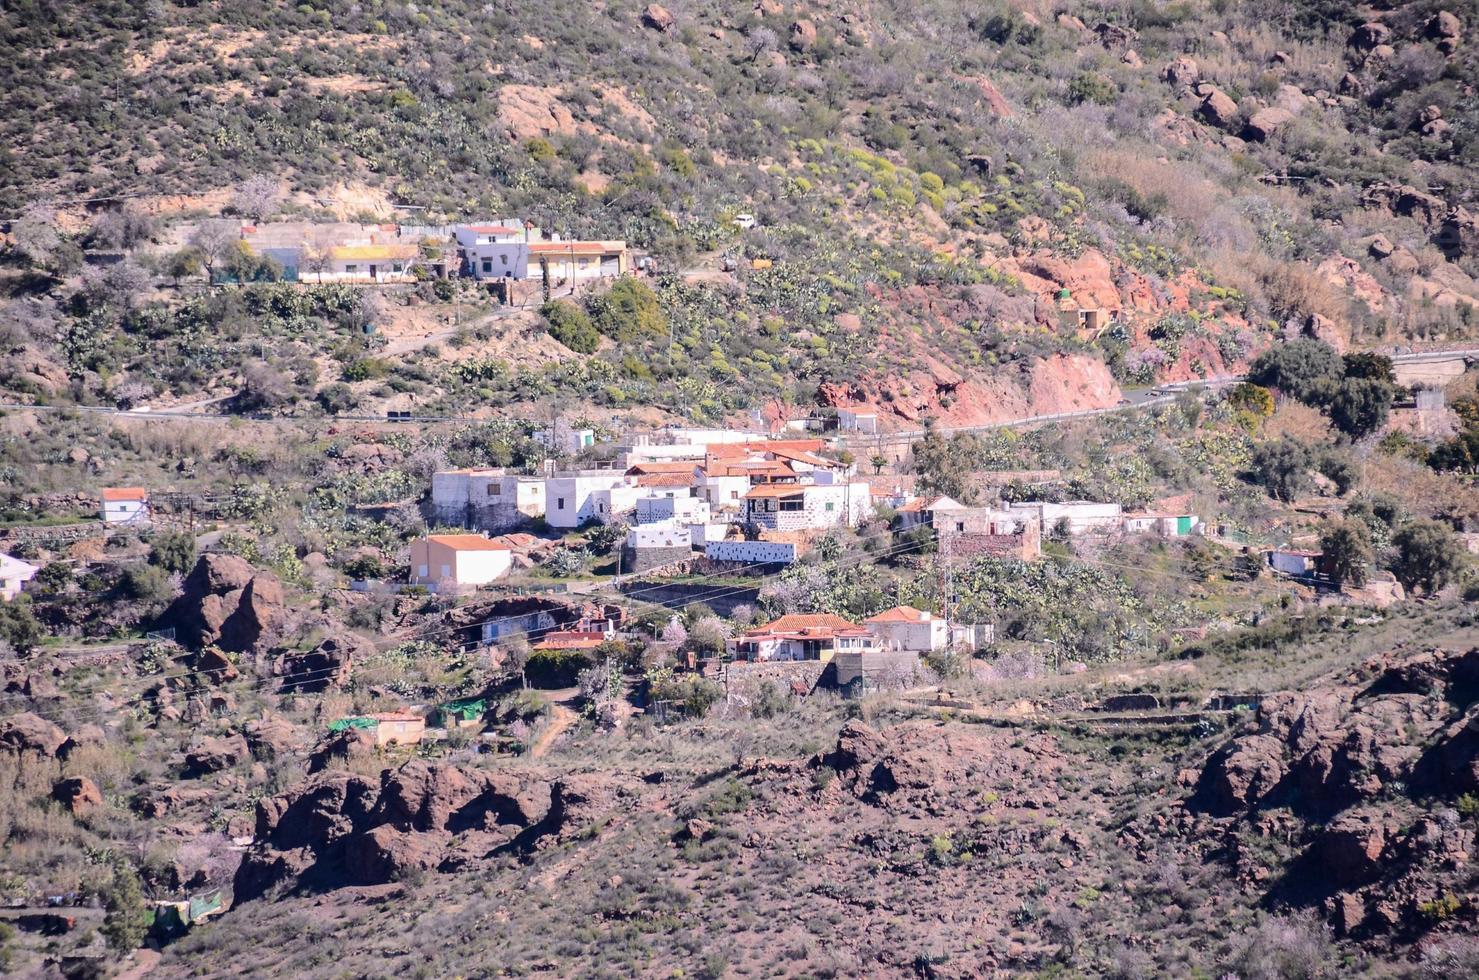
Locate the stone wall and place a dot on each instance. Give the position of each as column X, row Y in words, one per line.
column 747, row 679
column 639, row 560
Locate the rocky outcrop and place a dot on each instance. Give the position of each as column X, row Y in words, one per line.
column 1266, row 122
column 1370, row 36
column 803, row 35
column 340, row 829
column 1242, row 774
column 28, row 734
column 1219, row 109
column 657, row 17
column 327, row 665
column 1181, row 73
column 78, row 794
column 213, row 754
column 227, row 603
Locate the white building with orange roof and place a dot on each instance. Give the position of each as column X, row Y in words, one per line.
column 459, row 560
column 808, row 506
column 908, row 628
column 124, row 505
column 814, row 636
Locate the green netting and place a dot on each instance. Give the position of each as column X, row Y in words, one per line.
column 346, row 723
column 467, row 709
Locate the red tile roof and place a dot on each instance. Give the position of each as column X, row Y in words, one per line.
column 117, row 494
column 901, row 614
column 467, row 542
column 802, row 621
column 679, row 467
column 571, row 640
column 777, row 490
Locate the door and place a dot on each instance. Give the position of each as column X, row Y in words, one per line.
column 1183, row 525
column 373, row 270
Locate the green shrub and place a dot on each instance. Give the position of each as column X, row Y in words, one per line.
column 557, row 668
column 571, row 326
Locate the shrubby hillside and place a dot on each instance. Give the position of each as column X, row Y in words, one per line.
column 940, row 186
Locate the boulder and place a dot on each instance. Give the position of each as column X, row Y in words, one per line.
column 1323, row 329
column 78, row 794
column 1072, row 23
column 803, row 35
column 270, row 738
column 87, row 736
column 215, row 667
column 423, row 796
column 1265, row 122
column 657, row 17
column 1350, row 84
column 1181, row 73
column 1458, row 234
column 1353, row 848
column 258, row 612
column 31, row 734
column 326, row 666
column 215, row 754
column 1114, row 37
column 1369, row 36
column 215, row 574
column 352, row 743
column 1218, row 108
column 385, row 853
column 1445, row 28
column 858, row 745
column 1380, row 247
column 1132, row 59
column 1241, row 774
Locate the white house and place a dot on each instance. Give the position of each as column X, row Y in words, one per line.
column 1082, row 516
column 924, row 511
column 907, row 628
column 575, row 260
column 808, row 506
column 486, row 499
column 458, row 559
column 563, row 439
column 1166, row 525
column 852, row 420
column 125, row 505
column 14, row 574
column 752, row 552
column 684, row 508
column 494, row 250
column 571, row 499
column 667, row 534
column 801, row 637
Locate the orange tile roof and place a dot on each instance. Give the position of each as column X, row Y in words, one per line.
column 678, row 467
column 571, row 640
column 777, row 490
column 803, row 621
column 665, row 480
column 803, row 457
column 125, row 493
column 467, row 542
column 494, row 229
column 901, row 614
column 397, row 716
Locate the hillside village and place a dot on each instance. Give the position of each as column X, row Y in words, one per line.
column 739, row 489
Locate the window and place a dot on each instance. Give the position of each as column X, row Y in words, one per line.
column 960, row 526
column 487, row 265
column 495, row 490
column 831, row 506
column 734, row 495
column 351, row 269
column 503, row 258
column 559, row 503
column 397, row 267
column 792, row 505
column 585, row 263
column 421, row 571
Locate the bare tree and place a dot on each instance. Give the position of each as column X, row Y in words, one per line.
column 36, row 236
column 516, row 655
column 257, row 197
column 214, row 239
column 759, row 41
column 317, row 254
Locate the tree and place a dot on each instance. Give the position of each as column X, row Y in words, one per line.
column 945, row 465
column 1361, row 406
column 35, row 236
column 1340, row 469
column 1281, row 468
column 18, row 625
column 878, row 463
column 184, row 264
column 571, row 326
column 604, row 537
column 1370, row 366
column 263, row 387
column 629, row 312
column 1255, row 400
column 1428, row 555
column 1347, row 549
column 125, row 923
column 257, row 197
column 213, row 240
column 173, row 552
column 1305, row 369
column 145, row 583
column 317, row 254
column 516, row 654
column 707, row 636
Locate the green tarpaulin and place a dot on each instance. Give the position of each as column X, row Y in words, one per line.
column 346, row 723
column 464, row 709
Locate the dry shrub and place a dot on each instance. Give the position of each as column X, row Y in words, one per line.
column 1295, row 289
